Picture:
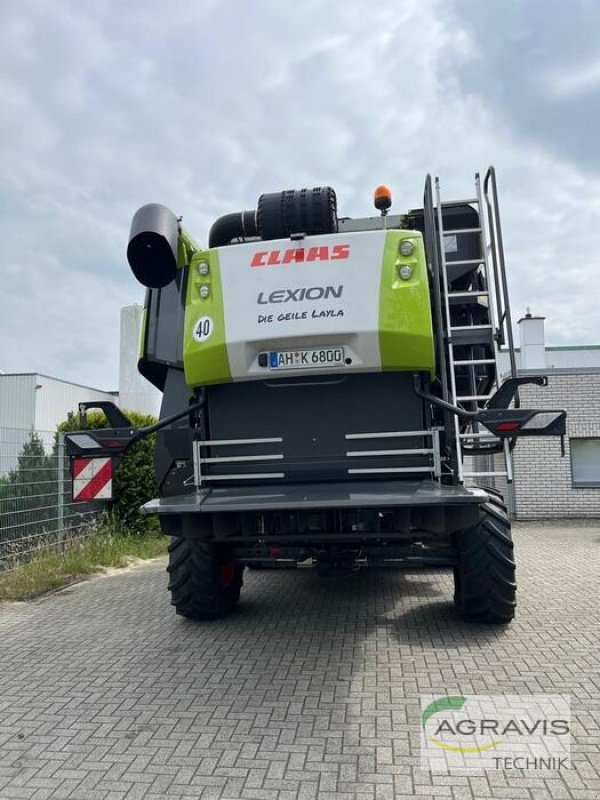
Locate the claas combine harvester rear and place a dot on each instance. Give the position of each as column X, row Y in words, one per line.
column 326, row 381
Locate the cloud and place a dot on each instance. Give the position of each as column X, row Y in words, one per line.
column 537, row 66
column 581, row 78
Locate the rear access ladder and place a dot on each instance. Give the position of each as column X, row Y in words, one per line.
column 476, row 316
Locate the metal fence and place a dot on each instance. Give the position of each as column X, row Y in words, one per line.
column 37, row 511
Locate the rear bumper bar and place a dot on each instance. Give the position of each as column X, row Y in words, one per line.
column 306, row 497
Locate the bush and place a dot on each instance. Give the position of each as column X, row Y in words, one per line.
column 135, row 477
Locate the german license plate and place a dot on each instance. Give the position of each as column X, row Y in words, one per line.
column 307, row 359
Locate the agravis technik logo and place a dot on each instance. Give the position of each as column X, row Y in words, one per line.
column 495, row 732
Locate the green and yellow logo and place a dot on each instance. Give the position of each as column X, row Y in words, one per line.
column 460, row 728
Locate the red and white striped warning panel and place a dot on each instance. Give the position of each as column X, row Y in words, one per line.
column 92, row 478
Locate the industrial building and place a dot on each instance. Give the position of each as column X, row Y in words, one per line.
column 35, row 402
column 547, row 485
column 32, row 401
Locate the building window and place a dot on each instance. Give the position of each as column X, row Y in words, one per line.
column 585, row 462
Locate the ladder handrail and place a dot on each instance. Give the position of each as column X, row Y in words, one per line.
column 444, row 267
column 499, row 264
column 436, row 267
column 492, row 250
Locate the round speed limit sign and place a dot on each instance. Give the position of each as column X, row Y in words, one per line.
column 203, row 329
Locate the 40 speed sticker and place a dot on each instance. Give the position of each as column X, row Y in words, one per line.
column 203, row 329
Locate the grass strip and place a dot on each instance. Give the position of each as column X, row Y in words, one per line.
column 51, row 569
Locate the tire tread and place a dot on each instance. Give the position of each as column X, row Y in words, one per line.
column 196, row 591
column 485, row 586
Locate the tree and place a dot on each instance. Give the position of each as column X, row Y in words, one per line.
column 28, row 494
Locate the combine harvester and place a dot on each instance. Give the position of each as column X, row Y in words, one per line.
column 323, row 379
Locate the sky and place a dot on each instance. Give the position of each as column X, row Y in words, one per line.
column 203, row 106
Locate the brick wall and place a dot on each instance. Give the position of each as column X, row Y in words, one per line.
column 543, row 486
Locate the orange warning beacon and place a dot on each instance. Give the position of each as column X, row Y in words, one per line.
column 382, row 199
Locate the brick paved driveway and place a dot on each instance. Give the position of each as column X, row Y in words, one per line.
column 311, row 690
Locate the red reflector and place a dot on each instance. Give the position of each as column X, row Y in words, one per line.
column 112, row 443
column 508, row 426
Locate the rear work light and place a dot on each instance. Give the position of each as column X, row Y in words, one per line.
column 83, row 441
column 541, row 420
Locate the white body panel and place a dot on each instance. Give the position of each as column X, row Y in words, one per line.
column 307, row 303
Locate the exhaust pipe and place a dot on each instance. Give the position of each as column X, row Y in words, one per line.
column 232, row 226
column 152, row 248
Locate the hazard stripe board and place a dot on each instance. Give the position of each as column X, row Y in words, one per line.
column 92, row 478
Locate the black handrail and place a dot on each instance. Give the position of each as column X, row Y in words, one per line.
column 499, row 264
column 432, row 251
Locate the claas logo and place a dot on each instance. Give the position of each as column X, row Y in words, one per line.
column 300, row 255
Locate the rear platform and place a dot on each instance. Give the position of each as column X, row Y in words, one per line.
column 311, row 496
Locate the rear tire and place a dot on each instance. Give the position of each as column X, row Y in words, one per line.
column 484, row 578
column 496, row 497
column 202, row 583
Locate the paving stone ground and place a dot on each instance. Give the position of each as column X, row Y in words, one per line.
column 310, row 691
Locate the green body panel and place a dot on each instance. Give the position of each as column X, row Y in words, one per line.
column 142, row 336
column 405, row 325
column 205, row 362
column 186, row 249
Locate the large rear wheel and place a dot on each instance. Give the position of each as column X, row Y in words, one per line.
column 484, row 578
column 203, row 584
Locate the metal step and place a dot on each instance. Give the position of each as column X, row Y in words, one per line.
column 470, row 328
column 471, row 336
column 447, row 203
column 465, row 398
column 457, row 231
column 475, row 300
column 474, row 362
column 485, row 474
column 462, row 262
column 471, row 293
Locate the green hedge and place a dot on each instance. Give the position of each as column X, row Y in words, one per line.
column 135, row 478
